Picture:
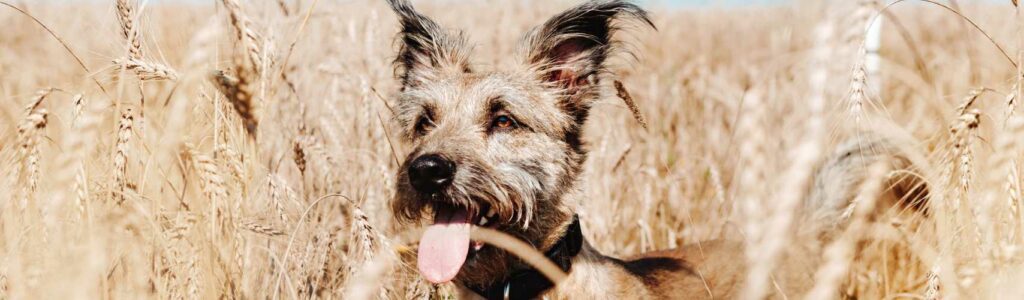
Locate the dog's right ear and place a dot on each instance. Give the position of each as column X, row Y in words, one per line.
column 426, row 51
column 569, row 50
column 573, row 45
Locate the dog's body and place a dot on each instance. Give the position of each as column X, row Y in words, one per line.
column 502, row 149
column 713, row 269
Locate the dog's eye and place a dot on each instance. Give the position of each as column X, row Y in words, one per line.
column 503, row 122
column 424, row 124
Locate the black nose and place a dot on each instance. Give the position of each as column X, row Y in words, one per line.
column 430, row 173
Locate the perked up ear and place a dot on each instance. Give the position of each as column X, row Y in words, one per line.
column 425, row 49
column 571, row 47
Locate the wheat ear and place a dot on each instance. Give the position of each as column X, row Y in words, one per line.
column 124, row 134
column 238, row 91
column 147, row 70
column 126, row 16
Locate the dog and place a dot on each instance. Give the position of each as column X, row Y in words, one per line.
column 502, row 149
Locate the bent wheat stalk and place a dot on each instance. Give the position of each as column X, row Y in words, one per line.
column 369, row 278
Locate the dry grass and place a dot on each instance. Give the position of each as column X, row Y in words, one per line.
column 157, row 185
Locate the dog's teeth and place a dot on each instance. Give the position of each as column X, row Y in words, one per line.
column 490, row 214
column 483, row 221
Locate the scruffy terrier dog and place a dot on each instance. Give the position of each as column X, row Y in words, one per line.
column 502, row 149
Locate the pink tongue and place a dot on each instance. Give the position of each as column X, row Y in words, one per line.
column 444, row 245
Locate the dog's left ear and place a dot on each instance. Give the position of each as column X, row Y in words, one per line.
column 426, row 50
column 570, row 49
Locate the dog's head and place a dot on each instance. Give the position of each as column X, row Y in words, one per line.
column 498, row 147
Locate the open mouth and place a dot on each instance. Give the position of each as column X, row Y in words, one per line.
column 445, row 245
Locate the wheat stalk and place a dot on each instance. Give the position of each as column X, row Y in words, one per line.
column 765, row 249
column 623, row 94
column 37, row 100
column 70, row 163
column 238, row 90
column 933, row 284
column 858, row 95
column 419, row 289
column 364, row 235
column 1011, row 102
column 752, row 176
column 124, row 134
column 81, row 190
column 244, row 33
column 194, row 277
column 29, row 132
column 367, row 241
column 235, row 271
column 79, row 101
column 963, row 132
column 278, row 191
column 125, row 17
column 1000, row 165
column 147, row 70
column 211, row 181
column 856, row 34
column 86, row 125
column 233, row 163
column 261, row 228
column 299, row 155
column 134, row 61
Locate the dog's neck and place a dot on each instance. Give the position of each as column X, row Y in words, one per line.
column 529, row 283
column 589, row 273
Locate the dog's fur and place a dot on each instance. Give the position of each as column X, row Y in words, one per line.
column 529, row 172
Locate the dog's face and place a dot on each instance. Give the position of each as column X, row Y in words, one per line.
column 498, row 148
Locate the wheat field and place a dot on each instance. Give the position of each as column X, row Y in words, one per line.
column 242, row 149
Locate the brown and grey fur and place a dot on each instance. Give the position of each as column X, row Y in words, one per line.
column 529, row 174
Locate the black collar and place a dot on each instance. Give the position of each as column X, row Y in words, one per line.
column 530, row 283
